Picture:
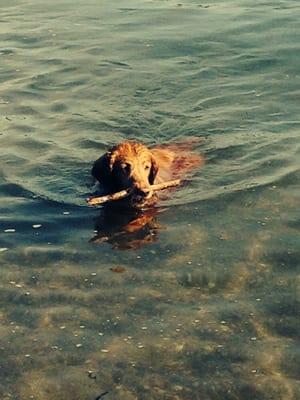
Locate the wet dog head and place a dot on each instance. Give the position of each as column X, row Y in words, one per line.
column 128, row 165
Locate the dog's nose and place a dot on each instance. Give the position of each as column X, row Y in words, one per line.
column 146, row 193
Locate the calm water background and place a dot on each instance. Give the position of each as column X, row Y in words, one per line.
column 209, row 308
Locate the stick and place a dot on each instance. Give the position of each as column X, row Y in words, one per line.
column 93, row 201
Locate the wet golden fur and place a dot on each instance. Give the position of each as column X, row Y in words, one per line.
column 133, row 165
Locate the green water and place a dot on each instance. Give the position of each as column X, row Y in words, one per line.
column 206, row 303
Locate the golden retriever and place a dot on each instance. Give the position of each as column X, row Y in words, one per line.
column 133, row 165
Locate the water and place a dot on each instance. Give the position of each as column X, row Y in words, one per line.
column 204, row 302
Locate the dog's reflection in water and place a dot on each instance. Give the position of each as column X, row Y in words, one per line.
column 126, row 228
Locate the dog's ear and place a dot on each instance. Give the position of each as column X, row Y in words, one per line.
column 153, row 170
column 102, row 169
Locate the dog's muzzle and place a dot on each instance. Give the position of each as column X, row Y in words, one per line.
column 140, row 196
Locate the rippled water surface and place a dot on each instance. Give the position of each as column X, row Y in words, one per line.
column 203, row 302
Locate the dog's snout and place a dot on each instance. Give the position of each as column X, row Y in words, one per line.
column 142, row 191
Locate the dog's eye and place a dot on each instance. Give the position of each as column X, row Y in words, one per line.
column 147, row 166
column 125, row 167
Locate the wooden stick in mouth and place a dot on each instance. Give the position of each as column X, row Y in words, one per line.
column 94, row 201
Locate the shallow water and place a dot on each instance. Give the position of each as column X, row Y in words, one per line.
column 203, row 303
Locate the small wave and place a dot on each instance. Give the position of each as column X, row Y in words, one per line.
column 15, row 190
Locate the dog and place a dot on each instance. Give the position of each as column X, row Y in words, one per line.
column 130, row 223
column 133, row 165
